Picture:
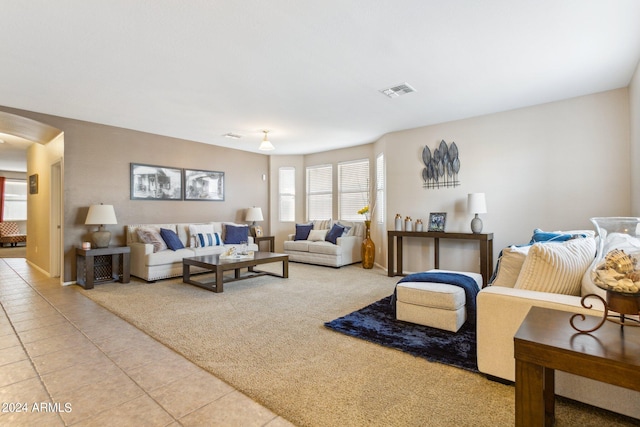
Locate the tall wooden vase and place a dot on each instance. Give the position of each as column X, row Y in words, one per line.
column 368, row 247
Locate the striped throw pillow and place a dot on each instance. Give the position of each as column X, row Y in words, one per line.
column 208, row 239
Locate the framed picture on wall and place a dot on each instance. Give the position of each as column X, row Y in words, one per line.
column 150, row 182
column 437, row 221
column 203, row 185
column 33, row 184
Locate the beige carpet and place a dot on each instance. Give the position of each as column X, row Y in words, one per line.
column 265, row 336
column 13, row 251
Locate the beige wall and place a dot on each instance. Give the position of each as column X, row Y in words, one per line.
column 634, row 114
column 96, row 170
column 551, row 166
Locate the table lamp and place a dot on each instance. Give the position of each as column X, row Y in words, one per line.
column 476, row 204
column 101, row 215
column 253, row 214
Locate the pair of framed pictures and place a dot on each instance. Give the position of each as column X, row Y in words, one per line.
column 149, row 182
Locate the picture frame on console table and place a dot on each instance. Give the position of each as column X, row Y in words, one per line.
column 437, row 221
column 150, row 182
column 203, row 185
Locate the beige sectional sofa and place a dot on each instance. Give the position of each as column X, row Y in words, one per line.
column 151, row 264
column 316, row 250
column 502, row 307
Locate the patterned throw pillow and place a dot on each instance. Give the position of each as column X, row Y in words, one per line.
column 152, row 236
column 208, row 239
column 195, row 229
column 171, row 239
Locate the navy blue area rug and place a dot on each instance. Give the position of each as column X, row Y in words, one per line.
column 377, row 323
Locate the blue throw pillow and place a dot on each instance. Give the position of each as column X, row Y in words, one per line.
column 236, row 235
column 302, row 231
column 171, row 239
column 547, row 236
column 335, row 232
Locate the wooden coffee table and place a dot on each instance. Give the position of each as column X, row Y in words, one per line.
column 546, row 342
column 218, row 266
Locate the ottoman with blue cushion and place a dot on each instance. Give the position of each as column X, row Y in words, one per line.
column 438, row 305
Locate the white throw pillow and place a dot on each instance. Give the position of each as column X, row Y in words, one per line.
column 557, row 267
column 317, row 235
column 510, row 265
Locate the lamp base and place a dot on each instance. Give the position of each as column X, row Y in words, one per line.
column 101, row 238
column 476, row 225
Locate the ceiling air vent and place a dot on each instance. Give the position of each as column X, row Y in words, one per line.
column 396, row 91
column 232, row 135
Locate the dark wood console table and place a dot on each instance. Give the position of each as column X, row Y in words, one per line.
column 484, row 239
column 546, row 342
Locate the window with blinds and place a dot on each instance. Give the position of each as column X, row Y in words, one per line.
column 319, row 192
column 287, row 194
column 380, row 189
column 353, row 188
column 15, row 200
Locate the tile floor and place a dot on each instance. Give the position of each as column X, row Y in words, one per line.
column 64, row 360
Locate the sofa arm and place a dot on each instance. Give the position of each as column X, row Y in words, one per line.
column 351, row 248
column 138, row 259
column 501, row 310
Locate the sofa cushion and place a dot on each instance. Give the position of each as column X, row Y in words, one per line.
column 322, row 224
column 171, row 239
column 336, row 231
column 297, row 245
column 168, row 257
column 557, row 267
column 317, row 235
column 509, row 265
column 325, row 248
column 234, row 235
column 152, row 236
column 302, row 231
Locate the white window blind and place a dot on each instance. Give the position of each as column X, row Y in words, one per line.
column 15, row 200
column 380, row 189
column 353, row 187
column 287, row 193
column 319, row 192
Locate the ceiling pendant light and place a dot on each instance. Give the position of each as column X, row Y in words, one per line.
column 266, row 145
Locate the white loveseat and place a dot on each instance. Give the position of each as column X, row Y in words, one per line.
column 316, row 250
column 150, row 264
column 501, row 308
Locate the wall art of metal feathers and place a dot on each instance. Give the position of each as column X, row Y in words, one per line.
column 441, row 168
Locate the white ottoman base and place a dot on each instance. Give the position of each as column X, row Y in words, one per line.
column 448, row 320
column 437, row 305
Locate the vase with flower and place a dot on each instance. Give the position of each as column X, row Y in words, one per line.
column 368, row 250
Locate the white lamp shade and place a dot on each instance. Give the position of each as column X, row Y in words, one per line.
column 476, row 203
column 254, row 214
column 100, row 215
column 266, row 145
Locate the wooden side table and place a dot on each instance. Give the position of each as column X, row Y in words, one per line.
column 270, row 239
column 546, row 342
column 102, row 265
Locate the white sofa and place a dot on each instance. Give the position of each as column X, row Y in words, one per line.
column 316, row 250
column 500, row 311
column 149, row 265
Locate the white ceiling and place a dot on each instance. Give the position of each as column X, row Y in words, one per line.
column 308, row 71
